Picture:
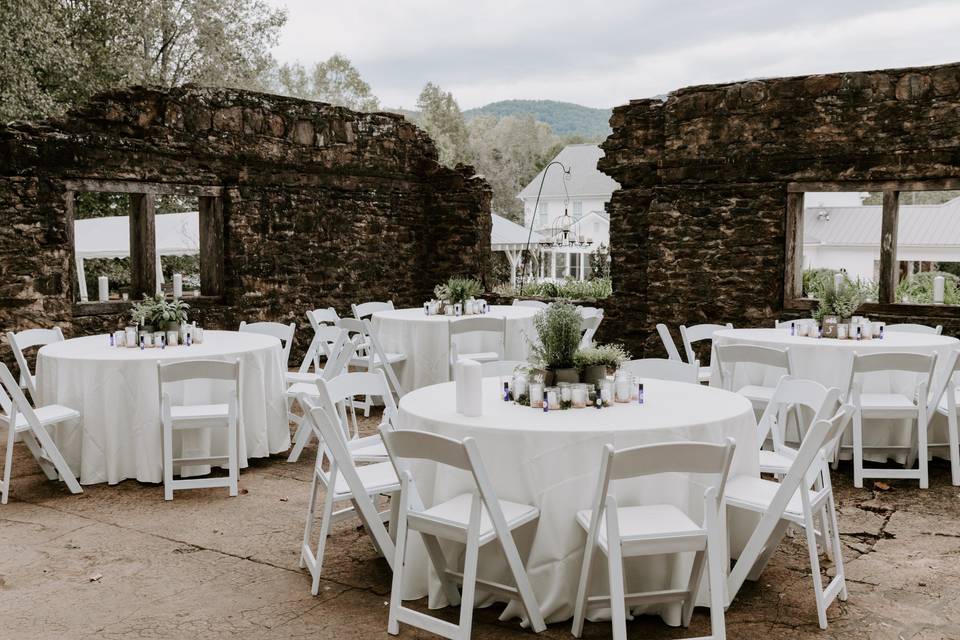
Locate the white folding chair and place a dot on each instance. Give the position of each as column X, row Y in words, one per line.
column 785, row 324
column 501, row 368
column 474, row 518
column 325, row 345
column 664, row 369
column 339, row 353
column 589, row 312
column 621, row 532
column 731, row 355
column 343, row 389
column 20, row 418
column 909, row 327
column 699, row 333
column 912, row 406
column 794, row 500
column 364, row 310
column 536, row 304
column 282, row 332
column 588, row 329
column 371, row 356
column 26, row 339
column 318, row 319
column 946, row 404
column 185, row 418
column 479, row 326
column 671, row 347
column 344, row 482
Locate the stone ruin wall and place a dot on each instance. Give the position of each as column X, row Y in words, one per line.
column 698, row 225
column 322, row 206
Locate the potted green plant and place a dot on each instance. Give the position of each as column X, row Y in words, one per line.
column 558, row 330
column 159, row 313
column 457, row 290
column 595, row 363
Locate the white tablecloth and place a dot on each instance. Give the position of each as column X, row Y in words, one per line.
column 551, row 460
column 425, row 341
column 117, row 394
column 828, row 361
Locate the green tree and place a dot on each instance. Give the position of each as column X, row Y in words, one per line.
column 335, row 80
column 508, row 152
column 440, row 116
column 54, row 53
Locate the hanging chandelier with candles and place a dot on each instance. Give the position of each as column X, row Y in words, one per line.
column 563, row 233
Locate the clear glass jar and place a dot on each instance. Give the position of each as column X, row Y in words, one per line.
column 621, row 386
column 536, row 394
column 579, row 395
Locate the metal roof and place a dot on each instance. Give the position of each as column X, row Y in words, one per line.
column 928, row 225
column 506, row 234
column 584, row 179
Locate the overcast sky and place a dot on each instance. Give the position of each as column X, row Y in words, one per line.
column 602, row 53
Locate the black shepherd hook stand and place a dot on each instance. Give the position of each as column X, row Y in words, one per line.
column 533, row 219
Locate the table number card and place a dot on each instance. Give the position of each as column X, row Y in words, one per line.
column 830, row 326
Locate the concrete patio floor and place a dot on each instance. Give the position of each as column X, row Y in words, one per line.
column 119, row 562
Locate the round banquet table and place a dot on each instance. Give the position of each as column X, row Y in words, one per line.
column 551, row 460
column 117, row 394
column 425, row 340
column 828, row 361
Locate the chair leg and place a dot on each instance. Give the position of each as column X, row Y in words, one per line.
column 815, row 568
column 399, row 555
column 923, row 458
column 618, row 607
column 233, row 459
column 8, row 461
column 300, row 440
column 470, row 573
column 322, row 541
column 580, row 608
column 837, row 549
column 954, row 448
column 717, row 581
column 858, row 449
column 522, row 580
column 686, row 613
column 435, row 552
column 168, row 461
column 311, row 509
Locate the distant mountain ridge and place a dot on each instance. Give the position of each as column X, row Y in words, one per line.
column 565, row 118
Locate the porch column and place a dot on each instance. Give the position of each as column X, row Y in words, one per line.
column 553, row 264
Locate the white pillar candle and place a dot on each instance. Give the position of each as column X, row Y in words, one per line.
column 837, row 280
column 472, row 373
column 178, row 285
column 103, row 288
column 938, row 284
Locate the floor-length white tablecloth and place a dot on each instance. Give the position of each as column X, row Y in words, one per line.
column 551, row 460
column 828, row 361
column 116, row 392
column 425, row 341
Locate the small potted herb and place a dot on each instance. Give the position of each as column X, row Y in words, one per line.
column 558, row 330
column 457, row 290
column 595, row 363
column 159, row 313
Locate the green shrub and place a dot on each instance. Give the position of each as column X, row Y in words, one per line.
column 918, row 288
column 558, row 327
column 596, row 289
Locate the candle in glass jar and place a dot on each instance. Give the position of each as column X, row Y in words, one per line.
column 536, row 395
column 566, row 393
column 579, row 396
column 551, row 399
column 519, row 385
column 622, row 389
column 178, row 285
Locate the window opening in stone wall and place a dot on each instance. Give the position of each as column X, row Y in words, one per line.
column 177, row 226
column 101, row 243
column 928, row 247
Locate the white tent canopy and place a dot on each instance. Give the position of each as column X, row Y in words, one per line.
column 511, row 238
column 178, row 234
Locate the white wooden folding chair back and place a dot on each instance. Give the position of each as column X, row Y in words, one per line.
column 319, row 320
column 668, row 344
column 785, row 324
column 779, row 508
column 535, row 304
column 19, row 417
column 664, row 369
column 809, row 401
column 909, row 327
column 366, row 309
column 324, row 339
column 622, row 532
column 730, row 356
column 282, row 332
column 588, row 329
column 339, row 354
column 698, row 333
column 343, row 482
column 590, row 312
column 348, row 386
column 185, row 418
column 475, row 518
column 371, row 355
column 501, row 368
column 944, row 401
column 911, row 406
column 480, row 326
column 26, row 339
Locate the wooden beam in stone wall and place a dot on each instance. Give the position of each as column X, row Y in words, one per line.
column 793, row 265
column 143, row 246
column 211, row 245
column 153, row 188
column 942, row 184
column 888, row 247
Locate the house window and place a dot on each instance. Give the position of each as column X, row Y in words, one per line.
column 139, row 234
column 897, row 238
column 577, row 209
column 542, row 215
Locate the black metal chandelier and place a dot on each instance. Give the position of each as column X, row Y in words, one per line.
column 563, row 233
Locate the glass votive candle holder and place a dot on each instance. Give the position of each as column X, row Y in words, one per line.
column 519, row 385
column 634, row 389
column 158, row 339
column 566, row 392
column 536, row 394
column 552, row 398
column 578, row 394
column 621, row 387
column 606, row 392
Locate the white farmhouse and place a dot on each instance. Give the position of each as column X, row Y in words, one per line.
column 583, row 195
